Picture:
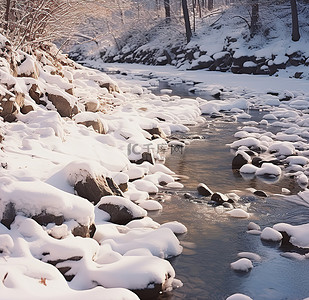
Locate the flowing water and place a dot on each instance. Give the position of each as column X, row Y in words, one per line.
column 214, row 239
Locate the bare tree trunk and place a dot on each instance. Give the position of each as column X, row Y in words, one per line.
column 7, row 14
column 254, row 17
column 210, row 4
column 199, row 8
column 167, row 8
column 295, row 26
column 193, row 11
column 121, row 12
column 187, row 20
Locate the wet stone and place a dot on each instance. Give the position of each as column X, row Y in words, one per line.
column 219, row 198
column 238, row 161
column 203, row 190
column 260, row 193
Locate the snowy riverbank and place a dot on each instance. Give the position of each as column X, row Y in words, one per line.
column 68, row 131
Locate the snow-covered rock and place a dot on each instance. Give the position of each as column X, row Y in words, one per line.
column 271, row 234
column 243, row 265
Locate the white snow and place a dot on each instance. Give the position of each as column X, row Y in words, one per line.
column 135, row 210
column 243, row 265
column 238, row 213
column 299, row 233
column 249, row 255
column 238, row 296
column 269, row 170
column 270, row 234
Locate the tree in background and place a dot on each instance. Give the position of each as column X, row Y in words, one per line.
column 187, row 20
column 295, row 26
column 210, row 4
column 167, row 8
column 254, row 17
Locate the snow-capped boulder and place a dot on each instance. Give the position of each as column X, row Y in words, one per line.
column 238, row 296
column 94, row 188
column 238, row 213
column 121, row 210
column 297, row 235
column 204, row 190
column 90, row 180
column 268, row 169
column 271, row 234
column 240, row 159
column 62, row 103
column 219, row 198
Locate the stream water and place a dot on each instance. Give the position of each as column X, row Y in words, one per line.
column 213, row 239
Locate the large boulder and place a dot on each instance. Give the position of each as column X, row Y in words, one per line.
column 94, row 188
column 62, row 104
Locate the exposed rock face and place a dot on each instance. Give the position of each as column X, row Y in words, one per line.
column 94, row 189
column 92, row 106
column 45, row 218
column 26, row 109
column 7, row 107
column 62, row 105
column 35, row 93
column 9, row 215
column 84, row 231
column 9, row 103
column 260, row 193
column 257, row 161
column 97, row 125
column 123, row 186
column 151, row 293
